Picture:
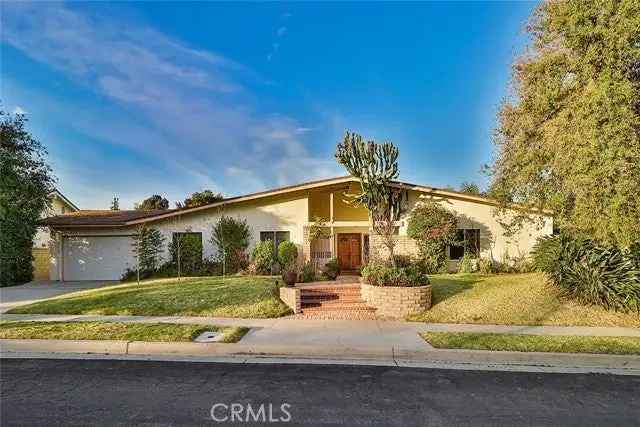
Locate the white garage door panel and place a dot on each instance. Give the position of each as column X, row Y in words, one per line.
column 97, row 258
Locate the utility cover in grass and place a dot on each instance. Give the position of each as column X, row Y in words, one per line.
column 210, row 336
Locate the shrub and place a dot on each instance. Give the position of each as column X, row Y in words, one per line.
column 381, row 273
column 287, row 253
column 521, row 264
column 546, row 253
column 433, row 227
column 210, row 267
column 634, row 254
column 402, row 260
column 263, row 257
column 332, row 269
column 592, row 273
column 308, row 272
column 485, row 266
column 188, row 246
column 467, row 264
column 231, row 239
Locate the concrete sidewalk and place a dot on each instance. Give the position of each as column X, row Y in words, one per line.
column 376, row 341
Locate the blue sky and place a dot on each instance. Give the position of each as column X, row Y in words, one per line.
column 133, row 99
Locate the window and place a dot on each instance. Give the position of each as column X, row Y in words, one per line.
column 275, row 236
column 469, row 243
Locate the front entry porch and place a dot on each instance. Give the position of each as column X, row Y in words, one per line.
column 349, row 253
column 348, row 245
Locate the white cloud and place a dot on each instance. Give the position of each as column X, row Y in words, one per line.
column 190, row 108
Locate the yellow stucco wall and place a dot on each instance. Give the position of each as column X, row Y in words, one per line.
column 319, row 205
column 342, row 211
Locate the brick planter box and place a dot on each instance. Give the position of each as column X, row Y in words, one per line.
column 291, row 297
column 396, row 301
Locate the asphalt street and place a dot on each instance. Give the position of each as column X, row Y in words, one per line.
column 110, row 392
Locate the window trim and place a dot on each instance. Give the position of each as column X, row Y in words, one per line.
column 274, row 238
column 465, row 245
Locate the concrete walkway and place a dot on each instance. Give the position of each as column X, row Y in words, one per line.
column 306, row 336
column 359, row 342
column 28, row 293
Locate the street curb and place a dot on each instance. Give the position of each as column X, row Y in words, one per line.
column 242, row 353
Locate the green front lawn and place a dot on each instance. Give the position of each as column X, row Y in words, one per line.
column 512, row 299
column 116, row 331
column 527, row 343
column 253, row 297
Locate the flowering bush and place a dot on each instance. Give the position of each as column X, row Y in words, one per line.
column 433, row 227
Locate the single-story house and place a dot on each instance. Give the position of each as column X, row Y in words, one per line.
column 97, row 245
column 60, row 205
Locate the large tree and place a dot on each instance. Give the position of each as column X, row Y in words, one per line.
column 155, row 202
column 568, row 139
column 26, row 183
column 200, row 198
column 376, row 165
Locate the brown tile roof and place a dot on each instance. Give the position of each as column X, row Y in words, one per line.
column 99, row 217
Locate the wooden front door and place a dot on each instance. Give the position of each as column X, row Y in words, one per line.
column 349, row 251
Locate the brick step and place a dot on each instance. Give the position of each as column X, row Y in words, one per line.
column 333, row 303
column 354, row 292
column 338, row 307
column 338, row 315
column 343, row 299
column 348, row 279
column 331, row 287
column 325, row 292
column 327, row 297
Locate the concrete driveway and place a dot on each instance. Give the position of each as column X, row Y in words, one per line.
column 14, row 296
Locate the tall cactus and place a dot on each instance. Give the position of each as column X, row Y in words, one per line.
column 375, row 165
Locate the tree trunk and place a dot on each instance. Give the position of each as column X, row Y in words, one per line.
column 391, row 246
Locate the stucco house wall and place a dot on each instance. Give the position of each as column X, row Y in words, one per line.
column 269, row 214
column 494, row 242
column 58, row 207
column 278, row 214
column 290, row 211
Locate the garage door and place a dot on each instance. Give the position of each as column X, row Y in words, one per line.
column 97, row 258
